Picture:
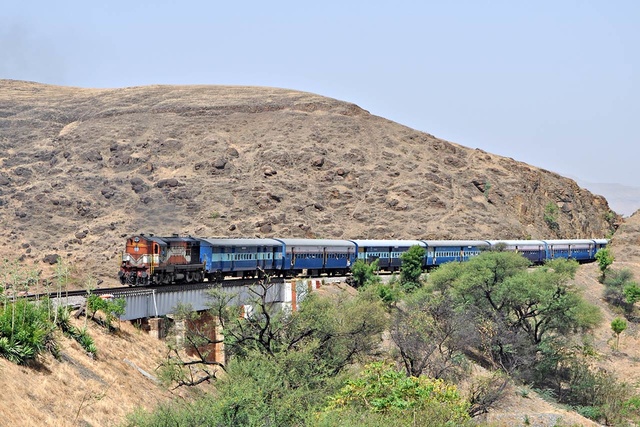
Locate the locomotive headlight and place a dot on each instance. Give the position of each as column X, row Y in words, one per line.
column 136, row 239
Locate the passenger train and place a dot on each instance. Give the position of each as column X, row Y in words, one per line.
column 150, row 260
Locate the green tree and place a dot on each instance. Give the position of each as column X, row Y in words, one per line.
column 620, row 291
column 364, row 273
column 618, row 325
column 513, row 309
column 339, row 330
column 411, row 270
column 605, row 258
column 632, row 292
column 428, row 334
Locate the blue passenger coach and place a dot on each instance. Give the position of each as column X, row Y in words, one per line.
column 533, row 250
column 580, row 250
column 240, row 257
column 387, row 252
column 316, row 256
column 443, row 251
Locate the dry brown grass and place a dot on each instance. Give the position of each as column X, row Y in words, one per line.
column 78, row 390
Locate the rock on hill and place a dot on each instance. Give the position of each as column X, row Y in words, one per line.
column 82, row 168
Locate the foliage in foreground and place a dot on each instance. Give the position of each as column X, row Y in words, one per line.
column 293, row 391
column 381, row 389
column 297, row 369
column 285, row 366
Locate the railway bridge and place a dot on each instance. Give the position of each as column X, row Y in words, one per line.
column 160, row 301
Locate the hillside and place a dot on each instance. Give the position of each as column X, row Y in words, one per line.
column 82, row 168
column 80, row 391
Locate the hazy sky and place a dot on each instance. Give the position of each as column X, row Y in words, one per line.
column 551, row 83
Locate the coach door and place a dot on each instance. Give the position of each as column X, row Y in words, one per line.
column 431, row 255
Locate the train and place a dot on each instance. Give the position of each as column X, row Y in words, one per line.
column 150, row 260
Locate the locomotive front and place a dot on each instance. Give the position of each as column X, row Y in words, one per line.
column 140, row 257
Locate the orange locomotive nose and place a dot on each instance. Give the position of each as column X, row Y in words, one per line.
column 137, row 261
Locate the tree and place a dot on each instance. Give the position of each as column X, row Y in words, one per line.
column 411, row 270
column 615, row 284
column 428, row 334
column 335, row 332
column 632, row 292
column 364, row 273
column 515, row 310
column 605, row 258
column 618, row 325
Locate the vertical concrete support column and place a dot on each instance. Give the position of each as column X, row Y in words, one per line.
column 287, row 294
column 179, row 329
column 156, row 327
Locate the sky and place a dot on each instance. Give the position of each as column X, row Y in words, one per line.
column 554, row 84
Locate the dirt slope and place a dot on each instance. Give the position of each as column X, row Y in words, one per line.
column 82, row 168
column 80, row 391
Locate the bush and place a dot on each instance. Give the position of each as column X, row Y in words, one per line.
column 381, row 389
column 591, row 412
column 111, row 308
column 363, row 273
column 26, row 331
column 411, row 269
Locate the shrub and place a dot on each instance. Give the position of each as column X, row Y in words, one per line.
column 111, row 308
column 25, row 331
column 381, row 389
column 551, row 216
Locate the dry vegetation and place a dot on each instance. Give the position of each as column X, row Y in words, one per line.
column 78, row 390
